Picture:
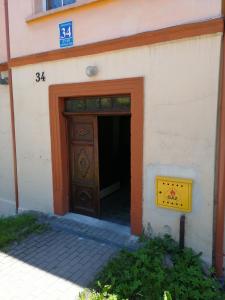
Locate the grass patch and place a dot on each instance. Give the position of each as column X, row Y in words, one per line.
column 157, row 267
column 14, row 229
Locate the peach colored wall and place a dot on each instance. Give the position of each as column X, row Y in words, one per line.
column 102, row 20
column 7, row 191
column 3, row 53
column 180, row 120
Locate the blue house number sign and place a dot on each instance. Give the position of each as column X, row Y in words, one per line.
column 66, row 34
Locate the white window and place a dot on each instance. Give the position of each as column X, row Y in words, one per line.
column 51, row 4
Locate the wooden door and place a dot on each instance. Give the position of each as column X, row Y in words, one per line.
column 84, row 168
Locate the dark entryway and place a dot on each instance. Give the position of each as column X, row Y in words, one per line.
column 99, row 157
column 114, row 168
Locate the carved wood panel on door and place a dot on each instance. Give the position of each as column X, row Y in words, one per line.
column 84, row 173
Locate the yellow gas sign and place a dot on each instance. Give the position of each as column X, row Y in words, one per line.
column 174, row 193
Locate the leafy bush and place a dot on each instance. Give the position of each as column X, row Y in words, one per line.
column 145, row 274
column 103, row 295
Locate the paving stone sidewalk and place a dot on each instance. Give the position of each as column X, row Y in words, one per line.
column 60, row 262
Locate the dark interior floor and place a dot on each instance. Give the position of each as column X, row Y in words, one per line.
column 116, row 207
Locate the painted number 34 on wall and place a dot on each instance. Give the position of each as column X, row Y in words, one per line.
column 40, row 76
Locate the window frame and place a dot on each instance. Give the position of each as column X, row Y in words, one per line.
column 115, row 107
column 45, row 5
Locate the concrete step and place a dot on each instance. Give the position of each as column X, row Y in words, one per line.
column 104, row 232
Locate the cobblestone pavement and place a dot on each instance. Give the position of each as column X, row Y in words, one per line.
column 60, row 262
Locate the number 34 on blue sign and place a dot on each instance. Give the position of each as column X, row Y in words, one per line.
column 66, row 34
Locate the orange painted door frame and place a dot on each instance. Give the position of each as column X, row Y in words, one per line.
column 59, row 143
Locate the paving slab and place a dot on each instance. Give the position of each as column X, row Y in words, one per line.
column 59, row 263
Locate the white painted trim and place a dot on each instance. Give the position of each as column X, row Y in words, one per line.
column 53, row 11
column 109, row 190
column 44, row 5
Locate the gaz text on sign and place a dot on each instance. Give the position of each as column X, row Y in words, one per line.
column 66, row 34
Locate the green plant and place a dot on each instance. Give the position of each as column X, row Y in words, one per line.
column 18, row 227
column 167, row 296
column 103, row 295
column 144, row 274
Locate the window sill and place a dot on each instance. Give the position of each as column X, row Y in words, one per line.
column 45, row 14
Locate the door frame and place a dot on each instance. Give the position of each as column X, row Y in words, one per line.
column 59, row 143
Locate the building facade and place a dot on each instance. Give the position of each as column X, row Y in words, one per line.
column 152, row 71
